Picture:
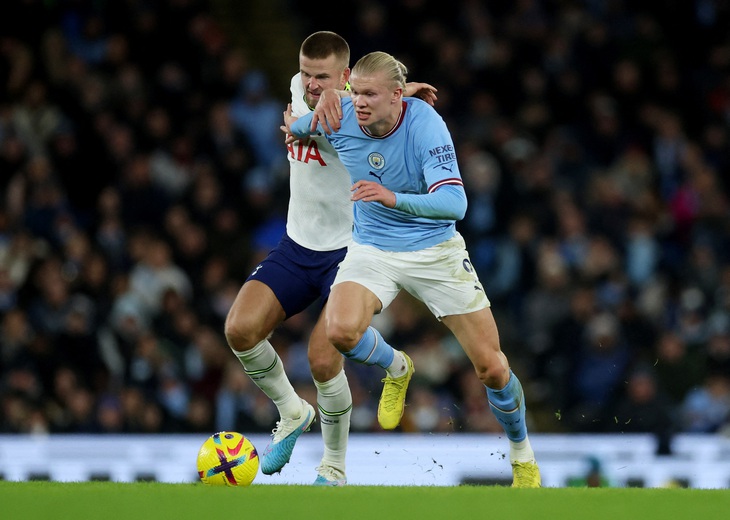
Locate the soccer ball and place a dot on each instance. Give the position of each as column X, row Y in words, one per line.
column 227, row 459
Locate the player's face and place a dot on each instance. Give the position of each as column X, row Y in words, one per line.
column 321, row 74
column 377, row 102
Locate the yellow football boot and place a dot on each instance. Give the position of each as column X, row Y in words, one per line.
column 392, row 400
column 525, row 475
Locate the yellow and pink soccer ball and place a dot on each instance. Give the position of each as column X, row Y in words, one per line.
column 228, row 459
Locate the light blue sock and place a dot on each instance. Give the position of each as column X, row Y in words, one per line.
column 508, row 406
column 372, row 350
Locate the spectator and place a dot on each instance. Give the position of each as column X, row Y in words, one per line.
column 644, row 408
column 601, row 362
column 706, row 408
column 678, row 368
column 594, row 147
column 155, row 273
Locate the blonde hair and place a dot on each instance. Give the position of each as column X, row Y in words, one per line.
column 377, row 62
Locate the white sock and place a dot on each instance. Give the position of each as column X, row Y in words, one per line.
column 521, row 451
column 335, row 406
column 265, row 368
column 399, row 366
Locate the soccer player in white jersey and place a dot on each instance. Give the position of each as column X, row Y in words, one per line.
column 299, row 271
column 408, row 194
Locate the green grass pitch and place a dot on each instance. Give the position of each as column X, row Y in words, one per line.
column 110, row 501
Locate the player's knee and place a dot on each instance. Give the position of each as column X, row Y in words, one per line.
column 242, row 334
column 324, row 368
column 342, row 334
column 494, row 374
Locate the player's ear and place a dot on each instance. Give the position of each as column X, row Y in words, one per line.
column 346, row 75
column 397, row 94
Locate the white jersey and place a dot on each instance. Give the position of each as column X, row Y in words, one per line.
column 320, row 210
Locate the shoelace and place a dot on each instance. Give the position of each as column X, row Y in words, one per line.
column 391, row 396
column 525, row 474
column 329, row 473
column 283, row 426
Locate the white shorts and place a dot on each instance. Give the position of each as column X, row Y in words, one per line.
column 441, row 276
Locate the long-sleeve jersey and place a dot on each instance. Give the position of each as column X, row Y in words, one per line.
column 414, row 160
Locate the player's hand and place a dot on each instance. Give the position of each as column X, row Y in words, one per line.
column 369, row 191
column 423, row 91
column 328, row 111
column 289, row 120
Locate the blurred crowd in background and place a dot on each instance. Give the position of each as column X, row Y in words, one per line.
column 143, row 175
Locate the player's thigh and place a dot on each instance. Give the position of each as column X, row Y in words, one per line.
column 444, row 279
column 371, row 269
column 477, row 334
column 349, row 311
column 365, row 284
column 255, row 313
column 295, row 274
column 325, row 361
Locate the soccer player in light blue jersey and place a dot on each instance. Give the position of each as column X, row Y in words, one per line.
column 408, row 195
column 298, row 273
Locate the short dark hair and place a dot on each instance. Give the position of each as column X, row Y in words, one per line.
column 323, row 44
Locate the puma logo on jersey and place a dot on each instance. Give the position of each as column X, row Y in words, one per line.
column 451, row 170
column 379, row 177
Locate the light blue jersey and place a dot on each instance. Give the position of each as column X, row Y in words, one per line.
column 416, row 157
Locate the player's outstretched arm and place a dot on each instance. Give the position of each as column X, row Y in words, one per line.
column 299, row 127
column 289, row 120
column 423, row 91
column 447, row 202
column 328, row 111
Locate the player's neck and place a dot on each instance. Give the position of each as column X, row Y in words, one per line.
column 386, row 125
